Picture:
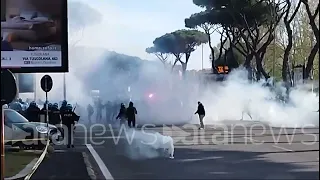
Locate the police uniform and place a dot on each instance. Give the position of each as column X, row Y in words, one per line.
column 44, row 111
column 33, row 112
column 54, row 117
column 68, row 120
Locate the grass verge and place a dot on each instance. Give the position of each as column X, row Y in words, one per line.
column 16, row 161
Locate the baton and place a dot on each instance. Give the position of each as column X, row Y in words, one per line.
column 75, row 107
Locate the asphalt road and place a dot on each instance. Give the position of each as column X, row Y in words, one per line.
column 245, row 150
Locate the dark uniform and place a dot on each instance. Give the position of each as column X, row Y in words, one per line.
column 63, row 106
column 43, row 112
column 33, row 112
column 90, row 111
column 54, row 116
column 131, row 115
column 68, row 120
column 122, row 114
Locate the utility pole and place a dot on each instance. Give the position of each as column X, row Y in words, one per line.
column 64, row 87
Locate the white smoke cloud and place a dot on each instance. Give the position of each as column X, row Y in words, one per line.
column 172, row 100
column 144, row 144
column 229, row 100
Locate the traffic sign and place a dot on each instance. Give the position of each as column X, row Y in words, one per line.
column 9, row 88
column 46, row 83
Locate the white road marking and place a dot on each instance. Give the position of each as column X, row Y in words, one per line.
column 106, row 173
column 282, row 148
column 276, row 146
column 251, row 139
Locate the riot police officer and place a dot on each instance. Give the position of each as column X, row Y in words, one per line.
column 33, row 112
column 43, row 111
column 54, row 116
column 68, row 120
column 63, row 105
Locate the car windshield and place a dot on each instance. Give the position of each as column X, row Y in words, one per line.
column 14, row 117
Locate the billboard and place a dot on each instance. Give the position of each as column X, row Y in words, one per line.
column 34, row 36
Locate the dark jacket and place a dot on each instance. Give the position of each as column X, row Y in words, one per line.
column 33, row 114
column 122, row 112
column 54, row 116
column 69, row 118
column 200, row 110
column 131, row 113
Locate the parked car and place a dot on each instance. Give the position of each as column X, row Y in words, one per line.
column 20, row 132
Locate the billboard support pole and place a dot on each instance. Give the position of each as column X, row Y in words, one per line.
column 2, row 144
column 16, row 75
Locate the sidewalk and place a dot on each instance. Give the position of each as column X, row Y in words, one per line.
column 62, row 165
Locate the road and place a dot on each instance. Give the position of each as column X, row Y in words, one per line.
column 233, row 149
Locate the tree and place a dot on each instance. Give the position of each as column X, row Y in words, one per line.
column 162, row 56
column 78, row 22
column 315, row 29
column 198, row 20
column 179, row 43
column 248, row 25
column 288, row 18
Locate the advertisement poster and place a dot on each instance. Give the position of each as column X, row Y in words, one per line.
column 31, row 33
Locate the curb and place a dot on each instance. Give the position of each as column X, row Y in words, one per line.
column 89, row 166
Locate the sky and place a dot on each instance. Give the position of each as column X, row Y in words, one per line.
column 129, row 27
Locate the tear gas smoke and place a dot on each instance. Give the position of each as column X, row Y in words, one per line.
column 237, row 95
column 140, row 145
column 161, row 97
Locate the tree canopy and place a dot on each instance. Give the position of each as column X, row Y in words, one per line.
column 231, row 13
column 178, row 43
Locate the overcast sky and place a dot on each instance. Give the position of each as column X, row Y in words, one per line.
column 129, row 26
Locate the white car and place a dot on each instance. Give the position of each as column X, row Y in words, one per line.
column 20, row 132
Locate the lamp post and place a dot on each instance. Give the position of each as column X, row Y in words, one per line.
column 202, row 57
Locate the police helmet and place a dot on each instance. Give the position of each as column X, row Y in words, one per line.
column 69, row 106
column 50, row 105
column 55, row 105
column 64, row 102
column 33, row 103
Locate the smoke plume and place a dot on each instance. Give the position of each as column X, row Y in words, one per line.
column 162, row 97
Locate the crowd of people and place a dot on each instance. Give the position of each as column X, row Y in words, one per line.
column 115, row 113
column 63, row 115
